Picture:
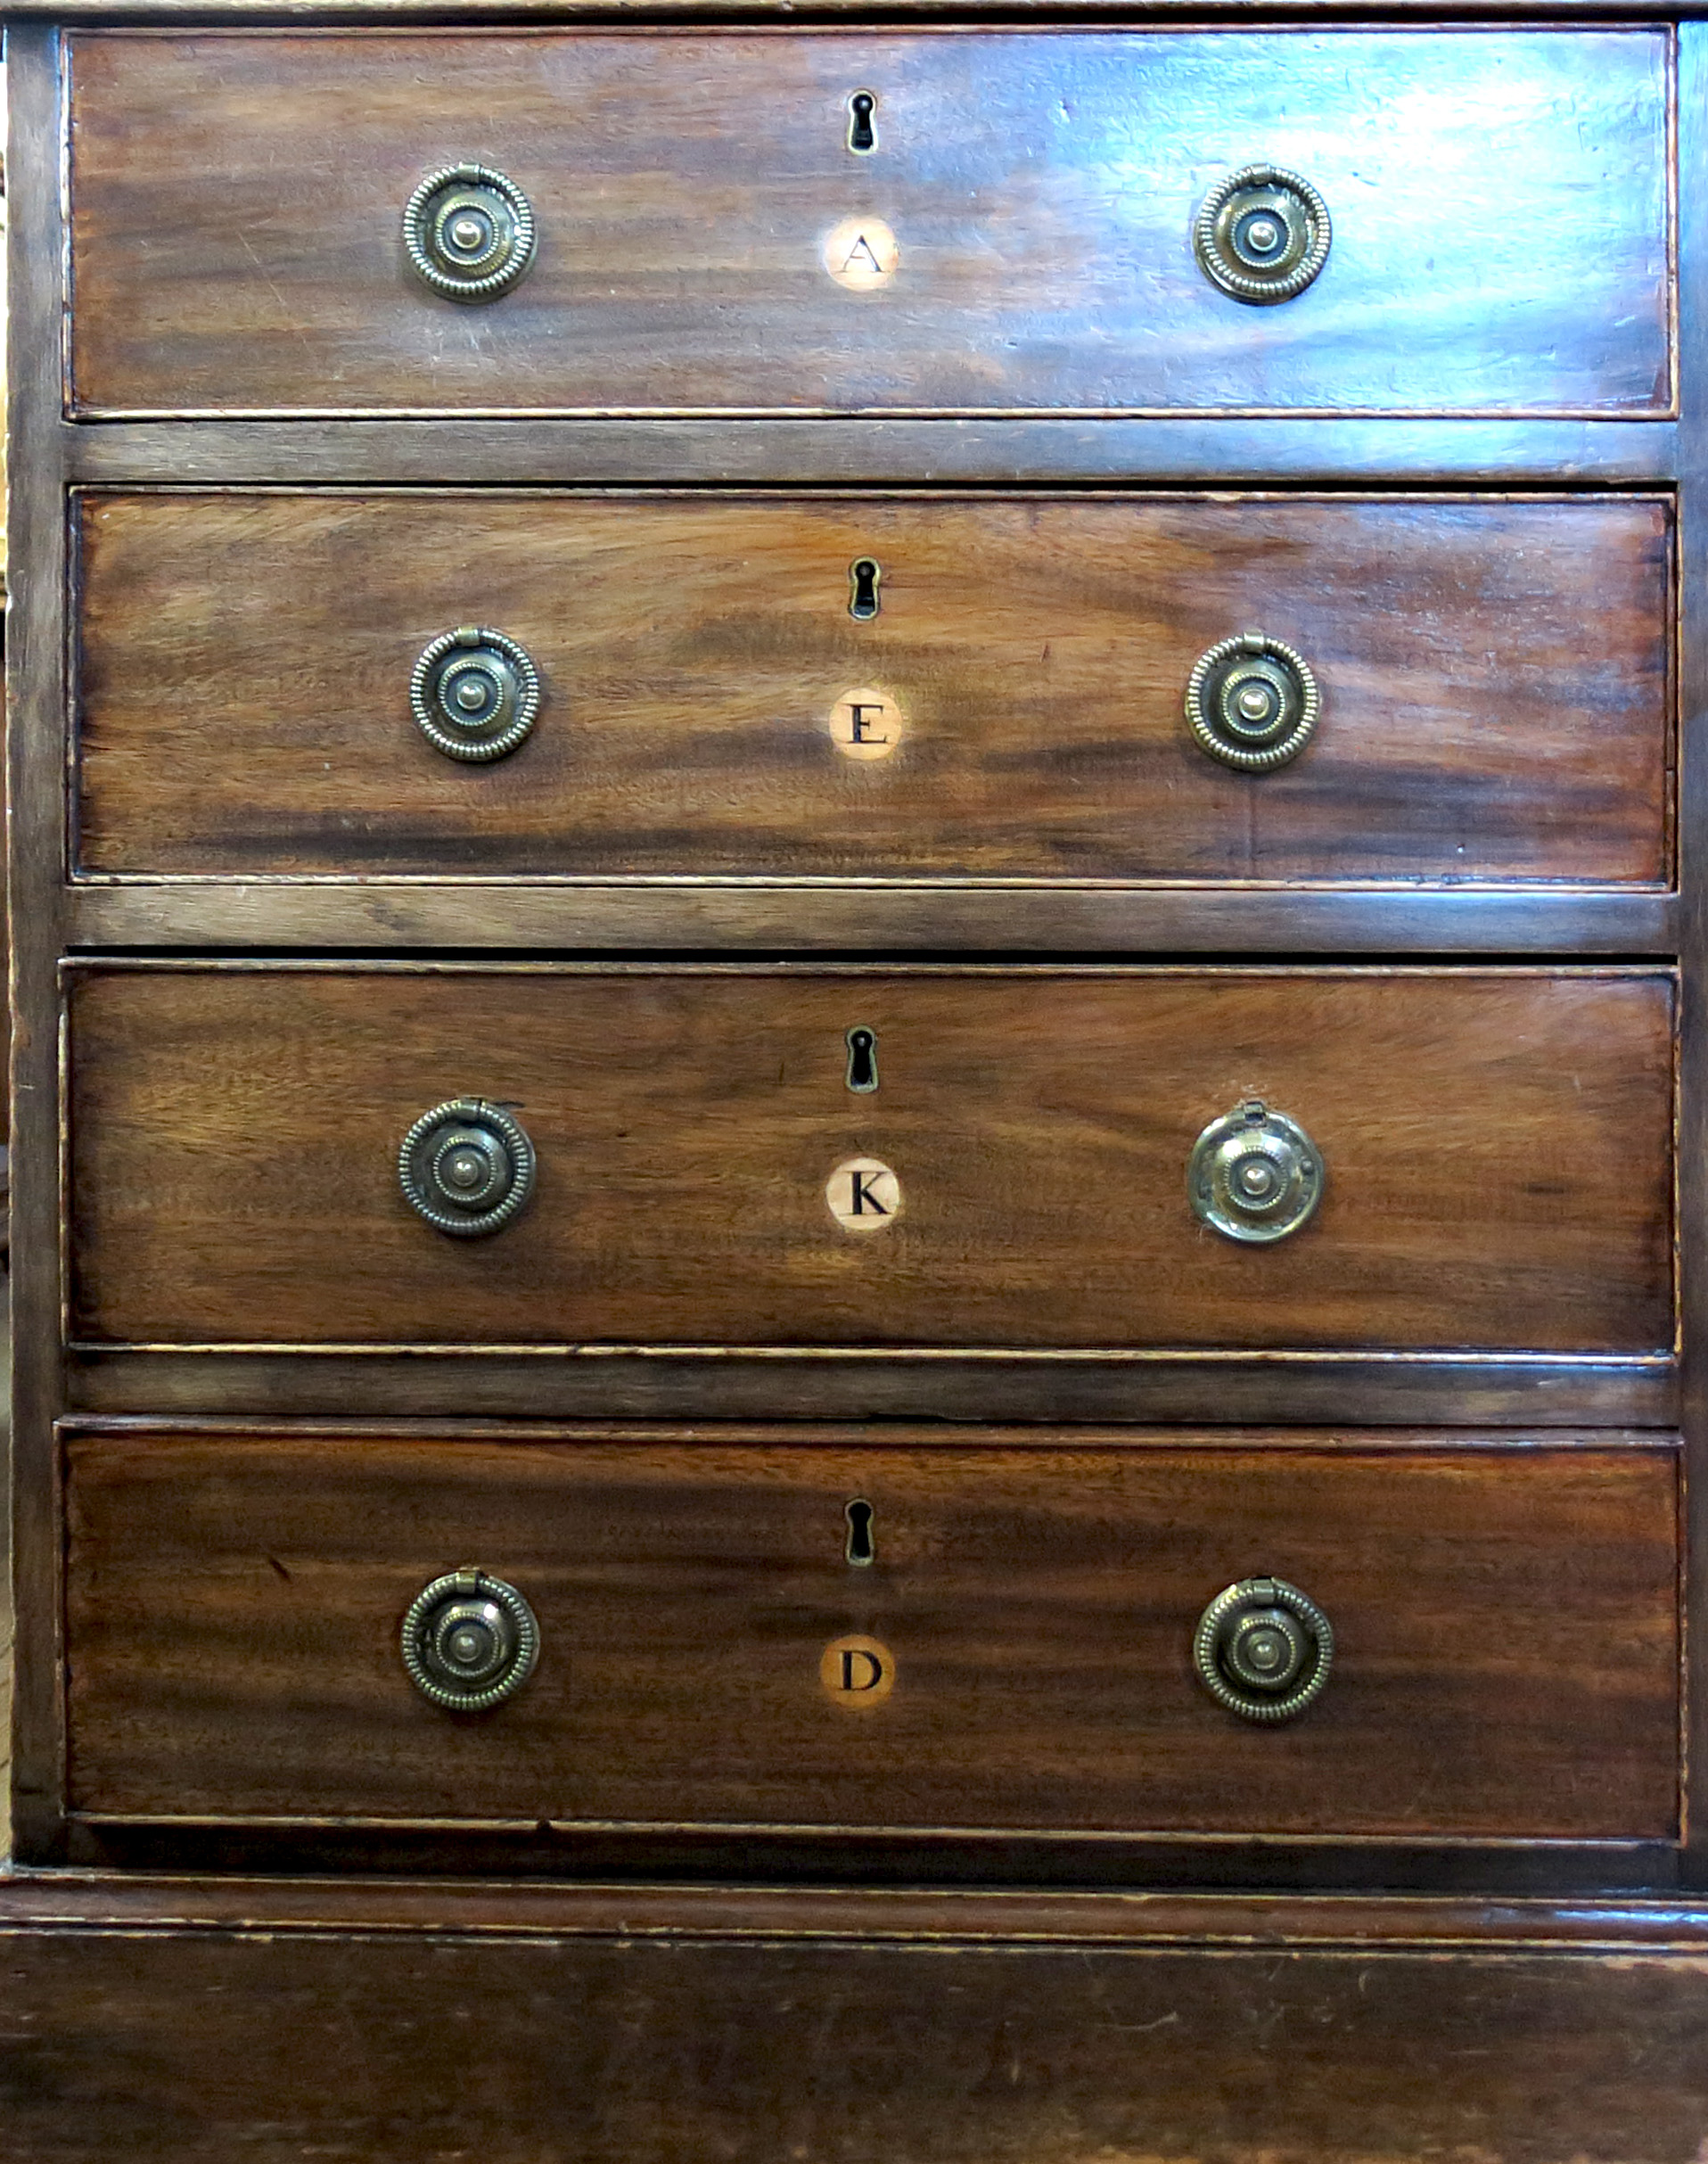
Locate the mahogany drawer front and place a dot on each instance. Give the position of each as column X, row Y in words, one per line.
column 1505, row 1624
column 1495, row 682
column 1018, row 239
column 1494, row 1150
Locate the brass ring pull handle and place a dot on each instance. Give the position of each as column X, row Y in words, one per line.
column 474, row 693
column 1253, row 703
column 469, row 1641
column 1263, row 235
column 1254, row 1174
column 469, row 232
column 1263, row 1649
column 467, row 1166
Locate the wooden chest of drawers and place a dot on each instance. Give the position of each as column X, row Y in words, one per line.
column 859, row 1086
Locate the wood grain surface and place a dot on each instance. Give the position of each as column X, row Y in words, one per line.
column 1506, row 1627
column 1693, row 937
column 1495, row 678
column 272, row 13
column 1238, row 451
column 35, row 641
column 1498, row 1146
column 602, row 1382
column 1041, row 187
column 1137, row 1919
column 169, row 2046
column 892, row 917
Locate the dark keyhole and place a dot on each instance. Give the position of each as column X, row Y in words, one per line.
column 860, row 1549
column 863, row 1060
column 862, row 136
column 863, row 576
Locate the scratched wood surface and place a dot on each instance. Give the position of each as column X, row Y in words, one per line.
column 599, row 2046
column 1496, row 679
column 1498, row 1148
column 1040, row 186
column 1505, row 1635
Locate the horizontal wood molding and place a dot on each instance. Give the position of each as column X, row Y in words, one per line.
column 891, row 1436
column 684, row 917
column 262, row 13
column 612, row 1384
column 72, row 1902
column 680, row 1855
column 1236, row 450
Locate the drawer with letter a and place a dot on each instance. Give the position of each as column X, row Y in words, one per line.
column 988, row 222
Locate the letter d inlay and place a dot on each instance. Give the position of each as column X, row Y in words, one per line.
column 857, row 1672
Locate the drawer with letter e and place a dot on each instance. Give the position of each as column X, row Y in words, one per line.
column 748, row 686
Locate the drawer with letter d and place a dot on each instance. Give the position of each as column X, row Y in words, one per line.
column 1055, row 1630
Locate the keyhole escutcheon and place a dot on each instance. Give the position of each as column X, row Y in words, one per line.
column 862, row 135
column 861, row 1549
column 862, row 1060
column 863, row 577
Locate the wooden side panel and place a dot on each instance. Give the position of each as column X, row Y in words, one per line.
column 1496, row 1145
column 1040, row 189
column 1495, row 677
column 1505, row 1626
